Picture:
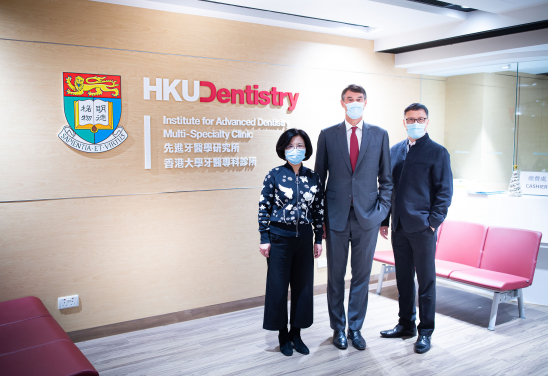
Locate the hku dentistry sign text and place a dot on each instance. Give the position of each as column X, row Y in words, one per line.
column 178, row 90
column 186, row 145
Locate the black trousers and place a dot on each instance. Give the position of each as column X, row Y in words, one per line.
column 291, row 263
column 416, row 251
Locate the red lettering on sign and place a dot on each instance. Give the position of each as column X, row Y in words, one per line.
column 223, row 95
column 251, row 95
column 240, row 93
column 213, row 91
column 275, row 100
column 264, row 98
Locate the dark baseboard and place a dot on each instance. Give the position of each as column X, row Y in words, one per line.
column 190, row 314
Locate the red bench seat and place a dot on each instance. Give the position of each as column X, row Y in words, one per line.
column 445, row 268
column 30, row 333
column 52, row 359
column 499, row 259
column 22, row 309
column 385, row 256
column 32, row 343
column 489, row 279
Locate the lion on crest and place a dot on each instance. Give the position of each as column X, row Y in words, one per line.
column 99, row 84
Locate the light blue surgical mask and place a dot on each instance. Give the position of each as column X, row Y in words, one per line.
column 295, row 156
column 354, row 110
column 416, row 130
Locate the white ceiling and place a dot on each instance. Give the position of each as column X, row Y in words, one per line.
column 497, row 6
column 390, row 23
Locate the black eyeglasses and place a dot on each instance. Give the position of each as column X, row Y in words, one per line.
column 298, row 147
column 418, row 120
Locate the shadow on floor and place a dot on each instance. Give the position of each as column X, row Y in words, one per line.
column 467, row 306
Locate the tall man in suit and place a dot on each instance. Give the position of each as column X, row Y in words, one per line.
column 356, row 156
column 423, row 187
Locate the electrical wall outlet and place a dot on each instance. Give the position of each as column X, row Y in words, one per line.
column 68, row 301
column 322, row 263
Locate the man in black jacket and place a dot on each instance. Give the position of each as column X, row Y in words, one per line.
column 423, row 187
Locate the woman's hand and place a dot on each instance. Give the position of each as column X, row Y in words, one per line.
column 317, row 250
column 265, row 249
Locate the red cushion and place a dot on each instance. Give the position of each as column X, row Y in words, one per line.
column 21, row 309
column 386, row 257
column 489, row 279
column 461, row 242
column 511, row 251
column 53, row 359
column 24, row 334
column 445, row 268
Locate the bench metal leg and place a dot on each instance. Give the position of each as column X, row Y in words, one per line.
column 521, row 308
column 502, row 297
column 381, row 279
column 385, row 269
column 494, row 309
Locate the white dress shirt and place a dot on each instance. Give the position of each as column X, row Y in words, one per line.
column 409, row 144
column 358, row 133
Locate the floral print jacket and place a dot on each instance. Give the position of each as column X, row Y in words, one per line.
column 292, row 199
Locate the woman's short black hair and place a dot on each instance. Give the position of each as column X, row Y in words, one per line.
column 286, row 138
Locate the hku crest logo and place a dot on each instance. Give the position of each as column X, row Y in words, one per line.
column 93, row 107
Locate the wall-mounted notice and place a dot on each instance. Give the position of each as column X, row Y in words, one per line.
column 534, row 183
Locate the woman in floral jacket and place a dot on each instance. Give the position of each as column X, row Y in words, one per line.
column 290, row 213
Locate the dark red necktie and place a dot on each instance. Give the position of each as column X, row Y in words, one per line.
column 354, row 149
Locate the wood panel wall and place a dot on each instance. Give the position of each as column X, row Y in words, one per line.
column 112, row 231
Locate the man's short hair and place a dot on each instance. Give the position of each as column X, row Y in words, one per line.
column 415, row 107
column 286, row 138
column 354, row 88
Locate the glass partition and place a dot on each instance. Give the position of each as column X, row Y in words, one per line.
column 480, row 116
column 494, row 117
column 532, row 117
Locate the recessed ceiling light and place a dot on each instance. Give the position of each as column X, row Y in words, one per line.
column 506, row 66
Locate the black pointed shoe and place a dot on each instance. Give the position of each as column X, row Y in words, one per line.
column 423, row 344
column 285, row 344
column 339, row 340
column 398, row 332
column 299, row 345
column 357, row 340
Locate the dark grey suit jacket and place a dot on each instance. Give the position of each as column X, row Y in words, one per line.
column 371, row 201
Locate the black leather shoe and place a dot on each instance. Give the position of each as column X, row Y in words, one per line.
column 339, row 339
column 357, row 340
column 399, row 331
column 422, row 345
column 299, row 345
column 285, row 344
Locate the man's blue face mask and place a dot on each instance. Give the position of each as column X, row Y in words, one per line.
column 354, row 110
column 416, row 130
